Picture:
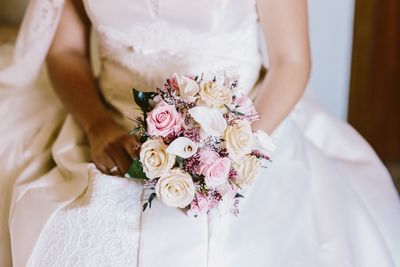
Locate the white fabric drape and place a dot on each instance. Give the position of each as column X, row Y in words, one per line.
column 29, row 111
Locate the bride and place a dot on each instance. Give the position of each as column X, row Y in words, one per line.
column 326, row 200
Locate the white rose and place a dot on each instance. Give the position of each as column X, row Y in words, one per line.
column 215, row 94
column 211, row 121
column 155, row 159
column 247, row 168
column 182, row 147
column 175, row 188
column 263, row 142
column 239, row 139
column 188, row 88
column 228, row 200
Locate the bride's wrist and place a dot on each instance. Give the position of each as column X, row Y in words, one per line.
column 262, row 125
column 95, row 126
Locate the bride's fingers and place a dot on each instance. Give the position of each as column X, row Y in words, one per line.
column 120, row 157
column 132, row 146
column 104, row 163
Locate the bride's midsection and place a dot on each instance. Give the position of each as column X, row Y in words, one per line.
column 149, row 72
column 146, row 72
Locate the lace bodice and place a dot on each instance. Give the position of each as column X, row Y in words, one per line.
column 146, row 41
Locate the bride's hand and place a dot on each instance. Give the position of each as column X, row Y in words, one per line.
column 112, row 148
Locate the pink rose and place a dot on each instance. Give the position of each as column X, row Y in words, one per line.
column 199, row 205
column 245, row 104
column 173, row 82
column 164, row 120
column 214, row 168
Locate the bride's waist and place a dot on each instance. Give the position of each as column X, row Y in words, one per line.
column 117, row 78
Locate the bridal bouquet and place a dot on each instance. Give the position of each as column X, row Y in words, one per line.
column 198, row 149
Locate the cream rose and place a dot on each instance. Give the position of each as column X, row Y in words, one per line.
column 175, row 188
column 215, row 94
column 188, row 88
column 238, row 139
column 155, row 158
column 247, row 168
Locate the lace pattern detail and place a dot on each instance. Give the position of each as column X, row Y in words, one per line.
column 100, row 228
column 34, row 38
column 163, row 38
column 144, row 56
column 41, row 15
column 154, row 7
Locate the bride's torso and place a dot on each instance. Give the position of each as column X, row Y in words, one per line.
column 142, row 42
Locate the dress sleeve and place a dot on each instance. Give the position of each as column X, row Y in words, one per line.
column 34, row 38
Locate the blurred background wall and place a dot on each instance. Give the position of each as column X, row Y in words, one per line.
column 374, row 103
column 11, row 11
column 331, row 35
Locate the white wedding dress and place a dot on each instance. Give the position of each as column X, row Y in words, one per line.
column 325, row 201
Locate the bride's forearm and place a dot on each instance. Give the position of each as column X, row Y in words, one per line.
column 285, row 28
column 73, row 81
column 68, row 62
column 279, row 92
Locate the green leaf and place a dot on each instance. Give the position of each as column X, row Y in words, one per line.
column 228, row 108
column 136, row 170
column 142, row 99
column 151, row 198
column 238, row 113
column 143, row 138
column 238, row 195
column 180, row 161
column 145, row 206
column 134, row 130
column 233, row 111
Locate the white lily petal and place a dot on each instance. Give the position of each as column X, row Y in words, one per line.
column 182, row 147
column 263, row 142
column 210, row 120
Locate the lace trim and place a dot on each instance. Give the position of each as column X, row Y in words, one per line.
column 154, row 7
column 34, row 38
column 162, row 38
column 100, row 228
column 42, row 14
column 150, row 53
